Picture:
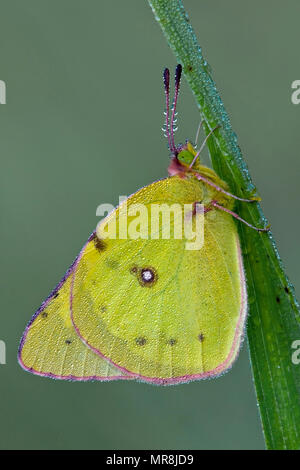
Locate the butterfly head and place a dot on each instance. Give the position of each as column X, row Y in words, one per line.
column 183, row 160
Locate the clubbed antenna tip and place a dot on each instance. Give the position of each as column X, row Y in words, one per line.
column 167, row 80
column 167, row 112
column 178, row 73
column 170, row 122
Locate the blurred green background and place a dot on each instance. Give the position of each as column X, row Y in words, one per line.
column 82, row 124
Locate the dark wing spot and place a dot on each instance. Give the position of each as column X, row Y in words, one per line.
column 56, row 295
column 278, row 300
column 68, row 341
column 146, row 276
column 287, row 290
column 99, row 244
column 172, row 341
column 134, row 270
column 201, row 337
column 44, row 314
column 141, row 341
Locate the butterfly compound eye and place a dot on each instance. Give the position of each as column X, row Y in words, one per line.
column 185, row 157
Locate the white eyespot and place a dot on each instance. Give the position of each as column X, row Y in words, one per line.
column 147, row 275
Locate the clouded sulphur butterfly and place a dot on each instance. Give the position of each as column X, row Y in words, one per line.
column 156, row 306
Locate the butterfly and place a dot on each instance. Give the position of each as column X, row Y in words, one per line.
column 146, row 307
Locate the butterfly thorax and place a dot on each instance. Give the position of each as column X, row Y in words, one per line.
column 184, row 165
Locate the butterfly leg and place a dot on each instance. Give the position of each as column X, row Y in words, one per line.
column 205, row 209
column 218, row 188
column 236, row 216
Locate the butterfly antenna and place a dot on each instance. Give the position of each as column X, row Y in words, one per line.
column 198, row 132
column 203, row 145
column 166, row 127
column 178, row 72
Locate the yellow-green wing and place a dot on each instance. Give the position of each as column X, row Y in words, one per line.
column 50, row 346
column 187, row 323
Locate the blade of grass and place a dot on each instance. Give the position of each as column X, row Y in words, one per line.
column 274, row 318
